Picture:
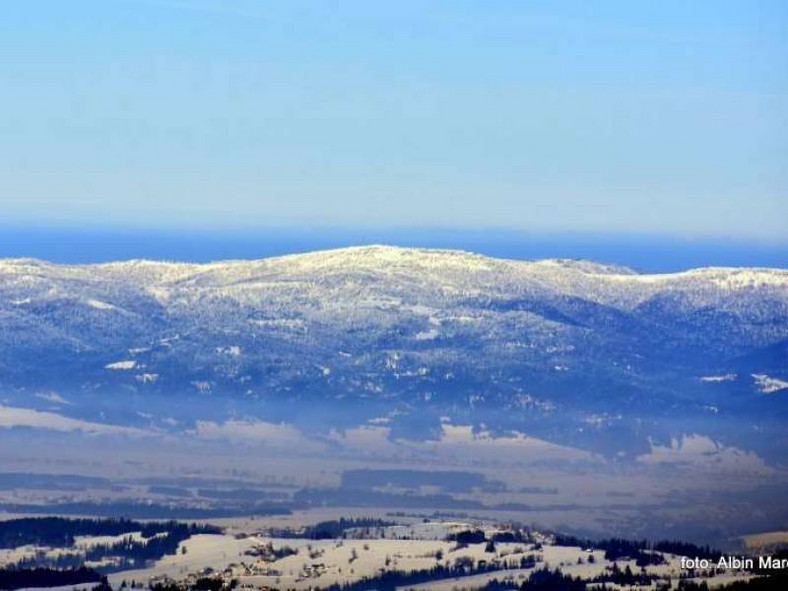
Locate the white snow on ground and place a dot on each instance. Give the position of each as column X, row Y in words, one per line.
column 85, row 542
column 122, row 365
column 565, row 557
column 765, row 540
column 204, row 550
column 462, row 437
column 147, row 378
column 728, row 377
column 702, row 452
column 257, row 560
column 375, row 438
column 319, row 563
column 232, row 351
column 455, row 441
column 80, row 587
column 11, row 417
column 11, row 555
column 453, row 272
column 52, row 397
column 427, row 335
column 274, row 434
column 99, row 305
column 768, row 385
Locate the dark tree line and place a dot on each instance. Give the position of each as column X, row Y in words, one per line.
column 330, row 530
column 202, row 584
column 469, row 536
column 59, row 532
column 11, row 578
column 685, row 549
column 617, row 548
column 625, row 577
column 552, row 580
column 517, row 535
column 545, row 579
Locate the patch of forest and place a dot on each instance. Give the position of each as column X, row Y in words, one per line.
column 329, row 530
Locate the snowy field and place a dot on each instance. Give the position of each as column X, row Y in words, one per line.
column 258, row 561
column 277, row 553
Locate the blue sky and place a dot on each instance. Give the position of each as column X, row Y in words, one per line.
column 604, row 117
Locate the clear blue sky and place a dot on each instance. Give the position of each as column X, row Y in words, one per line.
column 654, row 117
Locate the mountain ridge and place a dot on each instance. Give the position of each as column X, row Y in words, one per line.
column 585, row 265
column 419, row 303
column 549, row 344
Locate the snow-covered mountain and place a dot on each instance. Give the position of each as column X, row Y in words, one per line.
column 415, row 326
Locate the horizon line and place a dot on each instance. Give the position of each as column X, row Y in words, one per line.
column 495, row 231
